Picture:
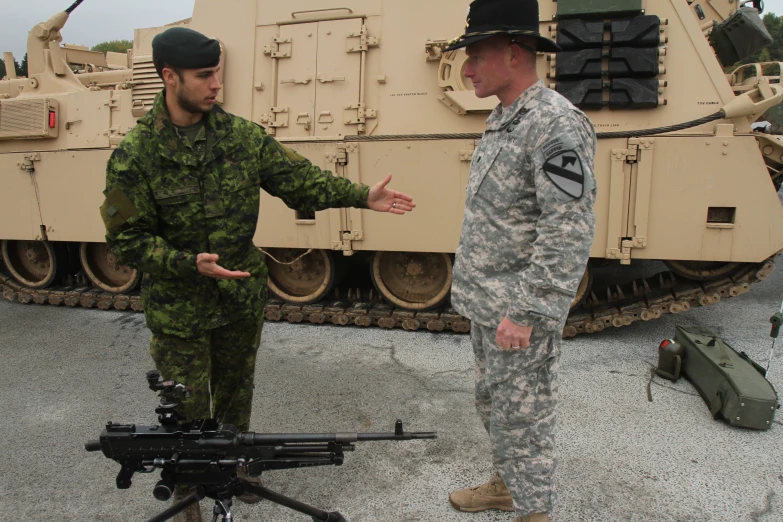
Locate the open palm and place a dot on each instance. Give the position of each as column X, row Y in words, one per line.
column 382, row 199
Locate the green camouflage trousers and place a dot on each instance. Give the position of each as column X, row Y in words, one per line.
column 516, row 394
column 218, row 368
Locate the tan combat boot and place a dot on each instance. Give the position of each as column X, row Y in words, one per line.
column 192, row 513
column 535, row 517
column 247, row 497
column 491, row 495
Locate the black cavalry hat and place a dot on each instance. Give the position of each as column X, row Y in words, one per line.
column 487, row 18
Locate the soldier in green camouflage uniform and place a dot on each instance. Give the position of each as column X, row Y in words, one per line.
column 526, row 237
column 182, row 193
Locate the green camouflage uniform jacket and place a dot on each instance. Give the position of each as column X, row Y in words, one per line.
column 167, row 201
column 529, row 222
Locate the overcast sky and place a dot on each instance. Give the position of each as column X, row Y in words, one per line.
column 93, row 22
column 96, row 21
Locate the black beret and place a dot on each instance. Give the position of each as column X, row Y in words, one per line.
column 186, row 48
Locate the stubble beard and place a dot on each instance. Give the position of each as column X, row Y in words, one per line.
column 188, row 105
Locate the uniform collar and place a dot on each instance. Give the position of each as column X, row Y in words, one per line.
column 217, row 125
column 502, row 116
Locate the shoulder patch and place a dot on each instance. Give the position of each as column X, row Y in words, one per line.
column 292, row 155
column 552, row 147
column 565, row 170
column 559, row 142
column 116, row 210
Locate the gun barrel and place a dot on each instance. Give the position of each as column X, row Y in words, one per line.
column 93, row 445
column 73, row 6
column 400, row 436
column 270, row 439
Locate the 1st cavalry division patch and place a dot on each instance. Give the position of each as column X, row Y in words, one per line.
column 565, row 171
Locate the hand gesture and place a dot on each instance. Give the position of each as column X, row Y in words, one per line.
column 382, row 199
column 207, row 266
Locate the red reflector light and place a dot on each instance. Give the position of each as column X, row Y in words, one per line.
column 52, row 119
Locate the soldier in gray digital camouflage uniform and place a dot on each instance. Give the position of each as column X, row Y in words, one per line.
column 526, row 237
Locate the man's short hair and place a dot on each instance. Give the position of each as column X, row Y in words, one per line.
column 525, row 42
column 161, row 64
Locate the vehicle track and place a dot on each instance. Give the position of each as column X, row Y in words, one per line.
column 614, row 306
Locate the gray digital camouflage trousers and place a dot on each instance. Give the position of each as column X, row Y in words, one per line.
column 516, row 394
column 218, row 368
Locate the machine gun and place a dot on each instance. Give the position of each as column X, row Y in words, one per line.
column 206, row 455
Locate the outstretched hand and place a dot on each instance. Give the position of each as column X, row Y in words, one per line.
column 207, row 266
column 382, row 199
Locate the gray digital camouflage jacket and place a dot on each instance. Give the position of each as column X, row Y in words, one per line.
column 529, row 223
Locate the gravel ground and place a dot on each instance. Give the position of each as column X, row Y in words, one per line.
column 67, row 372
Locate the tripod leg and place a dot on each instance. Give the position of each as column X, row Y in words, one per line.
column 222, row 507
column 319, row 515
column 179, row 506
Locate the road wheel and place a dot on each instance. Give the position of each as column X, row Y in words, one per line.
column 412, row 280
column 105, row 270
column 300, row 277
column 34, row 264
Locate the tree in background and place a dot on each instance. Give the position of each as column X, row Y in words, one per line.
column 19, row 70
column 774, row 52
column 114, row 46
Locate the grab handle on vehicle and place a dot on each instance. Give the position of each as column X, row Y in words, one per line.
column 293, row 15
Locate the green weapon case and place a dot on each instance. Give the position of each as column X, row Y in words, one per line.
column 732, row 385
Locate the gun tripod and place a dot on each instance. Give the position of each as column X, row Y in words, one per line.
column 206, row 454
column 223, row 502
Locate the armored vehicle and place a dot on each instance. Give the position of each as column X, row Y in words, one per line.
column 364, row 88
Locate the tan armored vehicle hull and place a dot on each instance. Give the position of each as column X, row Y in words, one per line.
column 365, row 90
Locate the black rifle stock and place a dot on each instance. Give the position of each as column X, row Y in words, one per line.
column 205, row 455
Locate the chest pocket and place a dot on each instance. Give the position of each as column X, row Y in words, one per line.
column 481, row 164
column 238, row 171
column 179, row 207
column 505, row 182
column 177, row 195
column 237, row 178
column 239, row 187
